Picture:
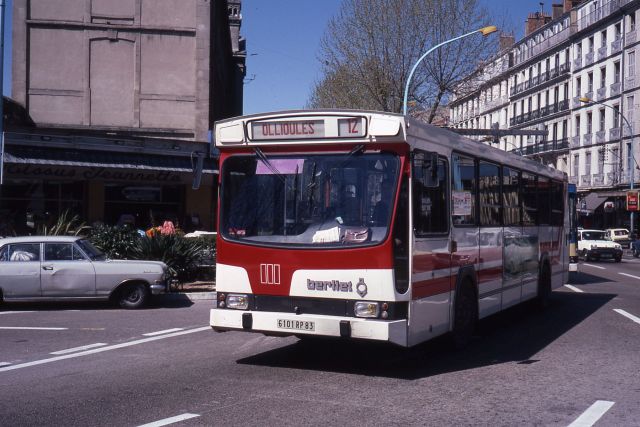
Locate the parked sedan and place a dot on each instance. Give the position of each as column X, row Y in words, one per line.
column 70, row 268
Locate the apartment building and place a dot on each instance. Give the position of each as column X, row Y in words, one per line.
column 583, row 49
column 119, row 99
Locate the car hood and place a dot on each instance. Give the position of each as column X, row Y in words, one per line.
column 151, row 266
column 601, row 243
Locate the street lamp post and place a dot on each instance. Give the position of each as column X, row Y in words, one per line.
column 484, row 31
column 588, row 100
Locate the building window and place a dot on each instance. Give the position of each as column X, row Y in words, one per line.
column 589, row 123
column 632, row 63
column 576, row 165
column 603, row 38
column 577, row 126
column 618, row 30
column 603, row 77
column 602, row 117
column 632, row 21
column 587, row 163
column 590, row 44
column 616, row 72
column 601, row 161
column 616, row 116
column 578, row 86
column 590, row 83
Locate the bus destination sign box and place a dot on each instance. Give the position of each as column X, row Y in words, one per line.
column 306, row 129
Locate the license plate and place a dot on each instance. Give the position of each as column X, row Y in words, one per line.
column 298, row 325
column 606, row 255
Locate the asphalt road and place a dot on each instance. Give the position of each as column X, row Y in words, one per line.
column 100, row 365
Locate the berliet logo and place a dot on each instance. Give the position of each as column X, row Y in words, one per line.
column 337, row 286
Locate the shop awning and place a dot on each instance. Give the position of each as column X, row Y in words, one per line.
column 591, row 202
column 106, row 159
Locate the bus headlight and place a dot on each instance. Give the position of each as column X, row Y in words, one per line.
column 238, row 301
column 366, row 309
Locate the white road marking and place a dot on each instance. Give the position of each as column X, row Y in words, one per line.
column 627, row 315
column 4, row 364
column 594, row 266
column 593, row 414
column 574, row 289
column 171, row 420
column 166, row 331
column 15, row 312
column 29, row 328
column 630, row 275
column 101, row 349
column 84, row 347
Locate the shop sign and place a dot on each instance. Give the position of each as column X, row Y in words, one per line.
column 91, row 173
column 632, row 201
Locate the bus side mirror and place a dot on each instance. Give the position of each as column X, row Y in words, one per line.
column 425, row 168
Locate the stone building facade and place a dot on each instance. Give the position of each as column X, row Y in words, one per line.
column 121, row 96
column 583, row 49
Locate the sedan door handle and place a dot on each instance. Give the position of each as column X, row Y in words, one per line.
column 47, row 267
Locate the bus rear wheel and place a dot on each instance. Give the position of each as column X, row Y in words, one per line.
column 465, row 316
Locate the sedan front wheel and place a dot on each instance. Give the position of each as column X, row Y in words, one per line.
column 134, row 296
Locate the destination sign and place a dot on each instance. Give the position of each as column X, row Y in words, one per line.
column 295, row 129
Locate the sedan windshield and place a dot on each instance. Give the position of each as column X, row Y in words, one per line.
column 593, row 235
column 308, row 199
column 91, row 251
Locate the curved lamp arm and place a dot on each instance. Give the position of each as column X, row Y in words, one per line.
column 484, row 31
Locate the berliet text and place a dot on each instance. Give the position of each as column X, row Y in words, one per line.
column 326, row 285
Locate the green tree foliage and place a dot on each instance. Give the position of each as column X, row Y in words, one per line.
column 370, row 46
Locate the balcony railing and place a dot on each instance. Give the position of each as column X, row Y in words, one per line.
column 575, row 141
column 541, row 78
column 585, row 180
column 602, row 53
column 601, row 93
column 630, row 38
column 577, row 62
column 616, row 46
column 613, row 178
column 614, row 133
column 586, row 139
column 544, row 45
column 588, row 59
column 600, row 136
column 540, row 113
column 601, row 12
column 615, row 88
column 598, row 179
column 547, row 146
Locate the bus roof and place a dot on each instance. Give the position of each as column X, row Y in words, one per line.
column 321, row 127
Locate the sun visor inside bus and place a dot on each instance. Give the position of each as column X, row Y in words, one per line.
column 230, row 134
column 380, row 126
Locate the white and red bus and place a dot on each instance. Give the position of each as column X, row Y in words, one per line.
column 377, row 226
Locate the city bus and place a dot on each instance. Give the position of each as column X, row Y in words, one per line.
column 376, row 226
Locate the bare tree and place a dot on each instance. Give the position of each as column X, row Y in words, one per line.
column 370, row 46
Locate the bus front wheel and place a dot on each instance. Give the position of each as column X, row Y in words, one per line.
column 465, row 315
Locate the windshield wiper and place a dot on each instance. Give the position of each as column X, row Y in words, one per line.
column 263, row 158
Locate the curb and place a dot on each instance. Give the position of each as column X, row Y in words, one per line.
column 186, row 296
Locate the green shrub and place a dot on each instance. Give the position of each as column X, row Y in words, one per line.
column 65, row 225
column 117, row 242
column 182, row 255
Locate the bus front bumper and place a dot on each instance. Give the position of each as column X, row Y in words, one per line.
column 272, row 323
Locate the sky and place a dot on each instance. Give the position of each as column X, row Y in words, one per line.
column 283, row 41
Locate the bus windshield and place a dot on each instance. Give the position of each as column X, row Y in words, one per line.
column 308, row 200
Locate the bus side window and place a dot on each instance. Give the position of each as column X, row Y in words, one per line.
column 463, row 190
column 529, row 197
column 430, row 207
column 511, row 197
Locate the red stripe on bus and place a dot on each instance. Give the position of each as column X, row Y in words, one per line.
column 428, row 288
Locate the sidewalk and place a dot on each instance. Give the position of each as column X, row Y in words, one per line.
column 191, row 292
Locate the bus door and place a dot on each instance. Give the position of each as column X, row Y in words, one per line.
column 465, row 254
column 512, row 220
column 490, row 239
column 431, row 263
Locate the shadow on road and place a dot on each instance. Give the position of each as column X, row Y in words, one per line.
column 582, row 278
column 514, row 336
column 176, row 302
